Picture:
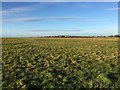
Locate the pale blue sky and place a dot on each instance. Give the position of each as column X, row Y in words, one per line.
column 64, row 18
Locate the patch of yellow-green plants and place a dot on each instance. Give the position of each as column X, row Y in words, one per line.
column 60, row 63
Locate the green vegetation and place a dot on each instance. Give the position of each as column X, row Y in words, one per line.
column 60, row 63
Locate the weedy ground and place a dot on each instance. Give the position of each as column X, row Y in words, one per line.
column 60, row 63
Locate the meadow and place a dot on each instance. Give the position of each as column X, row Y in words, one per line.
column 60, row 63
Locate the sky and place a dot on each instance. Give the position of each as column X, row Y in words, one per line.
column 60, row 0
column 29, row 19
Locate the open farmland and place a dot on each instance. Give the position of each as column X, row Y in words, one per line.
column 60, row 63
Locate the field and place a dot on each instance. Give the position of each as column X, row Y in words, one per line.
column 60, row 63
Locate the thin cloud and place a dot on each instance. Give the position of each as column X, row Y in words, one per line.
column 110, row 9
column 38, row 19
column 93, row 32
column 15, row 10
column 53, row 30
column 19, row 10
column 96, row 20
column 35, row 19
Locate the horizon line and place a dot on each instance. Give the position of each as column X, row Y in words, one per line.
column 61, row 36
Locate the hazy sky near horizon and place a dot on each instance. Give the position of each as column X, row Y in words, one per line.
column 22, row 19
